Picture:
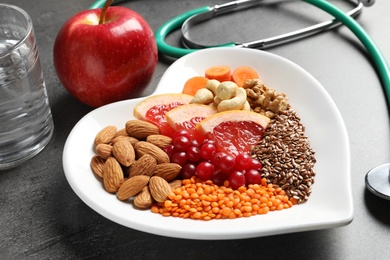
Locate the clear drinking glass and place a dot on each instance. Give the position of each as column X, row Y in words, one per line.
column 26, row 124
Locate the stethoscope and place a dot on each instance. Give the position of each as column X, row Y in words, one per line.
column 378, row 179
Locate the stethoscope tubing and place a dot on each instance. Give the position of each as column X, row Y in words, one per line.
column 255, row 44
column 372, row 49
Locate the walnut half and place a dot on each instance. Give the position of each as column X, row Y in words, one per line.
column 264, row 100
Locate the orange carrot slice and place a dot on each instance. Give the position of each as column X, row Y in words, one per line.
column 241, row 74
column 219, row 72
column 193, row 84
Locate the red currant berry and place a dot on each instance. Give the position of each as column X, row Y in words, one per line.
column 205, row 170
column 217, row 157
column 170, row 150
column 193, row 154
column 182, row 132
column 237, row 179
column 207, row 151
column 219, row 178
column 188, row 171
column 179, row 158
column 256, row 165
column 208, row 141
column 195, row 143
column 227, row 163
column 181, row 143
column 252, row 176
column 243, row 162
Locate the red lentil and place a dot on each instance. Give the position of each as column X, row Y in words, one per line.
column 204, row 200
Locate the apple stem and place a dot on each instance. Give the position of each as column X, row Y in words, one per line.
column 103, row 13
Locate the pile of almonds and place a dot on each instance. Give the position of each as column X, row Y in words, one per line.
column 132, row 163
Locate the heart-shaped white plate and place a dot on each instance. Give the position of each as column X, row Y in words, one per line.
column 330, row 204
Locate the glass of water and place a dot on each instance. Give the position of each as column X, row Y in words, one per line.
column 26, row 124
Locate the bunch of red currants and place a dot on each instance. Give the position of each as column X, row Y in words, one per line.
column 203, row 160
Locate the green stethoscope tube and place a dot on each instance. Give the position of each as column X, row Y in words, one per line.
column 98, row 4
column 176, row 23
column 365, row 39
column 376, row 55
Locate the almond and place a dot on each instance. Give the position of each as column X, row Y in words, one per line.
column 130, row 139
column 175, row 184
column 112, row 175
column 141, row 129
column 121, row 132
column 104, row 150
column 143, row 200
column 167, row 171
column 105, row 135
column 123, row 151
column 160, row 141
column 141, row 148
column 145, row 165
column 132, row 186
column 159, row 188
column 97, row 165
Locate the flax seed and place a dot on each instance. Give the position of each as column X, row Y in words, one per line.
column 287, row 158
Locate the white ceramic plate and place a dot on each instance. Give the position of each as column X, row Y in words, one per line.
column 330, row 204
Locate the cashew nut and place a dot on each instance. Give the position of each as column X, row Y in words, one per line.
column 212, row 85
column 217, row 100
column 226, row 90
column 203, row 96
column 247, row 106
column 236, row 103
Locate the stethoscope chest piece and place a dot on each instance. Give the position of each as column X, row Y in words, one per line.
column 378, row 181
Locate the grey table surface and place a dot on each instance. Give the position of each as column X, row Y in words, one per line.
column 42, row 218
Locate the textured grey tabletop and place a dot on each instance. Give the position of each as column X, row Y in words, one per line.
column 42, row 218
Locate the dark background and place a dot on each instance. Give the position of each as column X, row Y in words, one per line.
column 42, row 218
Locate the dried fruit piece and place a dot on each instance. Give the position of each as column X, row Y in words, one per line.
column 159, row 188
column 123, row 151
column 112, row 175
column 97, row 165
column 141, row 148
column 132, row 186
column 105, row 135
column 161, row 141
column 145, row 165
column 167, row 171
column 104, row 150
column 141, row 129
column 143, row 199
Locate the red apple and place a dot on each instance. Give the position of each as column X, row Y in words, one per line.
column 103, row 63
